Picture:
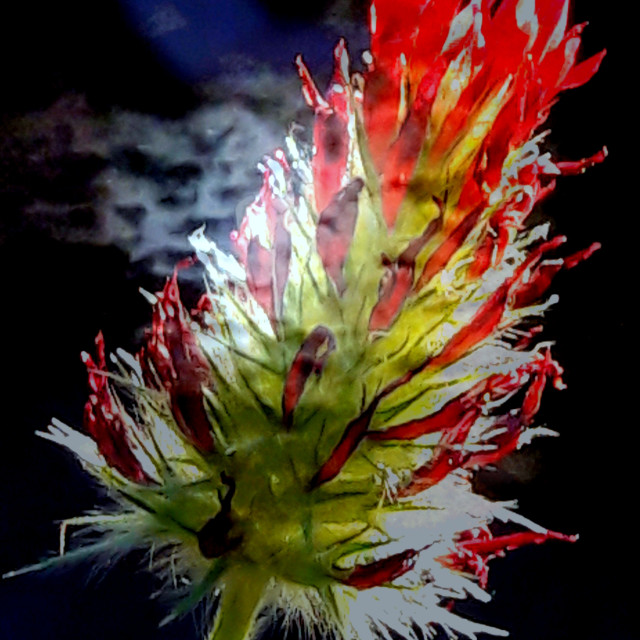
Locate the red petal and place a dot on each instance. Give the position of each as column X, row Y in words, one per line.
column 511, row 427
column 449, row 417
column 395, row 285
column 533, row 398
column 397, row 282
column 471, row 555
column 441, row 256
column 583, row 72
column 353, row 434
column 310, row 91
column 311, row 358
column 331, row 140
column 435, row 22
column 510, row 542
column 180, row 366
column 558, row 63
column 260, row 276
column 445, row 459
column 549, row 15
column 400, row 162
column 335, row 230
column 505, row 40
column 381, row 571
column 391, row 34
column 106, row 423
column 330, row 133
column 580, row 166
column 538, row 282
column 481, row 326
column 282, row 259
column 452, row 414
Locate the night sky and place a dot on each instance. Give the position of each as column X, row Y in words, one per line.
column 57, row 295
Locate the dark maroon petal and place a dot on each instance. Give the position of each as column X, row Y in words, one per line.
column 511, row 426
column 311, row 358
column 577, row 257
column 191, row 417
column 179, row 366
column 335, row 230
column 105, row 425
column 482, row 257
column 105, row 422
column 381, row 571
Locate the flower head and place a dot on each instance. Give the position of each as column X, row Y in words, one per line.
column 306, row 438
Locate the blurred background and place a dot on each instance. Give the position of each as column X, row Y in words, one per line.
column 126, row 124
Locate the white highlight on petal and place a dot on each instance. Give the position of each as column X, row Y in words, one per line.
column 132, row 363
column 215, row 260
column 149, row 297
column 83, row 446
column 527, row 18
column 535, row 432
column 558, row 33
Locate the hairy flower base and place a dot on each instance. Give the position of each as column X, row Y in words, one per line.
column 305, row 439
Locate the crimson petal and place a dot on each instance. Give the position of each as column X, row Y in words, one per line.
column 583, row 72
column 179, row 365
column 472, row 554
column 381, row 571
column 398, row 280
column 311, row 358
column 335, row 230
column 105, row 422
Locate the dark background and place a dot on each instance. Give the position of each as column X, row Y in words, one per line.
column 56, row 295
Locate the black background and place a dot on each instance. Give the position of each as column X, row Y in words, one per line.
column 56, row 296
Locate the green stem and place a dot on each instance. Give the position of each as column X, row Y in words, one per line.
column 242, row 590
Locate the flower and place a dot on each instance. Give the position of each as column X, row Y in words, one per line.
column 306, row 437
